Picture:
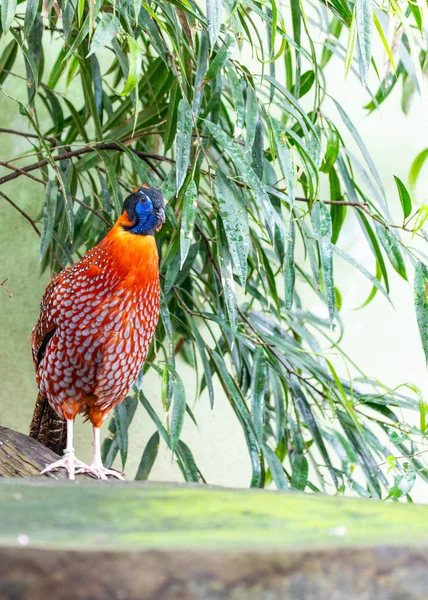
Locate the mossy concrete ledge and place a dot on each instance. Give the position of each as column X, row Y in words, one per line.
column 108, row 539
column 92, row 539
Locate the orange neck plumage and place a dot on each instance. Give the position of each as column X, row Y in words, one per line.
column 134, row 255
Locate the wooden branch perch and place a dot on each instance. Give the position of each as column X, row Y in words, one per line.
column 22, row 456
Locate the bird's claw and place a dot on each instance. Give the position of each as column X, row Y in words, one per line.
column 69, row 462
column 100, row 471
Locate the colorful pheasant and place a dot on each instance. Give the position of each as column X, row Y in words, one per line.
column 97, row 320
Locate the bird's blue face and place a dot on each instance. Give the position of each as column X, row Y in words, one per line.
column 145, row 208
column 148, row 220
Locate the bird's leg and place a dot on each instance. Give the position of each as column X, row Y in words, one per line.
column 97, row 463
column 69, row 460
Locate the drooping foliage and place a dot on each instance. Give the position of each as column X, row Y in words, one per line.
column 224, row 108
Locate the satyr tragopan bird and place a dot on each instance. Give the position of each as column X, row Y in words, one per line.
column 97, row 319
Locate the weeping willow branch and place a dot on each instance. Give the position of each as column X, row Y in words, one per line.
column 73, row 153
column 146, row 156
column 24, row 134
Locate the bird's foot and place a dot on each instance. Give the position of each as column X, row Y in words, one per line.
column 100, row 471
column 69, row 462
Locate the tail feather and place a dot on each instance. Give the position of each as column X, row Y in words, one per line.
column 47, row 427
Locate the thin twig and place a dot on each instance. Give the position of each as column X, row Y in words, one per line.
column 93, row 211
column 21, row 212
column 32, row 223
column 337, row 202
column 2, row 285
column 21, row 172
column 404, row 456
column 84, row 150
column 51, row 140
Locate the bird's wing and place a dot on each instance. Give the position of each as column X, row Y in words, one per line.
column 44, row 329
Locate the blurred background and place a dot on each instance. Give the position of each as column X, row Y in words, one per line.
column 384, row 340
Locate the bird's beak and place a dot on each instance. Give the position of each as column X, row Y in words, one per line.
column 160, row 213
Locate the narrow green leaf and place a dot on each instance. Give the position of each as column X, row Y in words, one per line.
column 310, row 421
column 214, row 17
column 190, row 206
column 364, row 17
column 241, row 411
column 8, row 10
column 155, row 419
column 77, row 121
column 165, row 316
column 306, row 82
column 48, row 216
column 7, row 59
column 275, row 468
column 110, row 445
column 121, row 416
column 68, row 200
column 235, row 84
column 337, row 211
column 188, row 465
column 30, row 15
column 183, row 141
column 107, row 29
column 200, row 73
column 148, row 24
column 285, row 160
column 365, row 458
column 83, row 33
column 244, row 169
column 87, row 85
column 421, row 303
column 296, row 18
column 384, row 41
column 57, row 70
column 135, row 58
column 251, row 117
column 331, row 152
column 321, row 223
column 225, row 264
column 178, row 408
column 148, row 459
column 374, row 280
column 352, row 39
column 406, row 202
column 392, row 248
column 235, row 222
column 258, row 387
column 416, row 167
column 371, row 237
column 258, row 151
column 358, row 140
column 32, row 74
column 205, row 362
column 418, row 16
column 219, row 61
column 289, row 269
column 299, row 472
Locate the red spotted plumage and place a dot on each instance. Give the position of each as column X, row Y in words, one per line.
column 96, row 323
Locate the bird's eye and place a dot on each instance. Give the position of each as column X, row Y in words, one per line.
column 143, row 196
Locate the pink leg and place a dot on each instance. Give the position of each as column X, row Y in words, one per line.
column 69, row 462
column 96, row 467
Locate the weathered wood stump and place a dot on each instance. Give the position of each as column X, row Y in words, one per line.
column 133, row 540
column 22, row 456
